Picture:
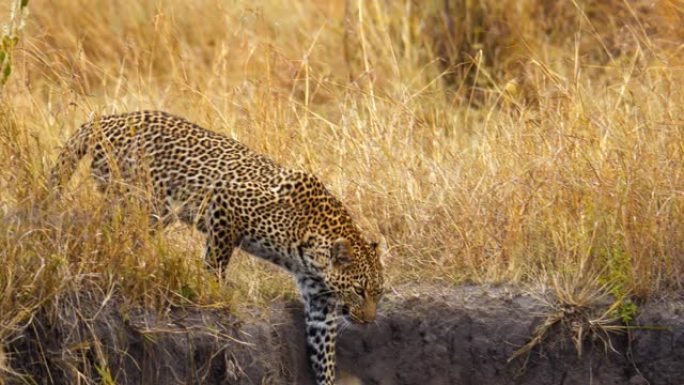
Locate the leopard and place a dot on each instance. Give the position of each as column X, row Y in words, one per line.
column 240, row 199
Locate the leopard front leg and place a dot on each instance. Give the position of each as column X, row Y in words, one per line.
column 320, row 317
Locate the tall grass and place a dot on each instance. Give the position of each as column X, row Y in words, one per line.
column 490, row 141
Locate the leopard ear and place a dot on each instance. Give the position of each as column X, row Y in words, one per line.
column 341, row 253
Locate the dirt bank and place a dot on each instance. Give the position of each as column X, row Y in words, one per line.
column 462, row 336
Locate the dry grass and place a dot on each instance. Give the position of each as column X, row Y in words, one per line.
column 492, row 141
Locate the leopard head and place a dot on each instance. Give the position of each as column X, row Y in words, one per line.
column 355, row 275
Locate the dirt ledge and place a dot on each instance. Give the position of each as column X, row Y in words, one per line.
column 463, row 335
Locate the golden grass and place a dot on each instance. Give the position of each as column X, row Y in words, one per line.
column 492, row 141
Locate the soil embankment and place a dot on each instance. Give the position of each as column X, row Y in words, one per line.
column 461, row 336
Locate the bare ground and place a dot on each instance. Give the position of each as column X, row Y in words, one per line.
column 462, row 335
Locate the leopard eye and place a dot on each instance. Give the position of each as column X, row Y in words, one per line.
column 359, row 291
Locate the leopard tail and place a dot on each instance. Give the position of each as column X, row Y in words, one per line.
column 73, row 151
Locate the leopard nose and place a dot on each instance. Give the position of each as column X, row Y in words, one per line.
column 369, row 312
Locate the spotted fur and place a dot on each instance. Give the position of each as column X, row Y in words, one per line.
column 241, row 199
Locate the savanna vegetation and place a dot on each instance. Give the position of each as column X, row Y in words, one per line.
column 532, row 142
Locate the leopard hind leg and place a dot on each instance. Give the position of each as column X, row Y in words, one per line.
column 221, row 235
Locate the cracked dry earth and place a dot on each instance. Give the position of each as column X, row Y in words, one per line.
column 424, row 336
